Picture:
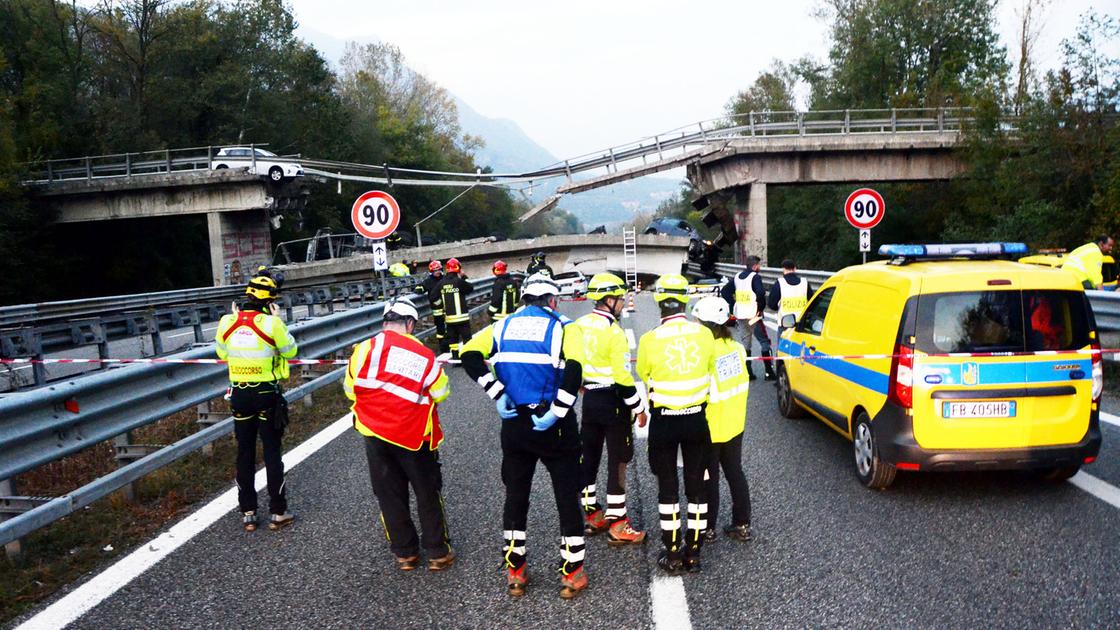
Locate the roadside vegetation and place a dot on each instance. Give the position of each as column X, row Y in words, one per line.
column 1054, row 182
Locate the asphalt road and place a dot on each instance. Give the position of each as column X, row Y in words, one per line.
column 993, row 549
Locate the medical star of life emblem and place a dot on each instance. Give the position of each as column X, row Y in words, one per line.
column 682, row 356
column 590, row 344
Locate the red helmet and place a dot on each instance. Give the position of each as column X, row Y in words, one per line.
column 453, row 266
column 499, row 268
column 435, row 266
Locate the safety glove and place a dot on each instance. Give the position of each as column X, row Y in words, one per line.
column 506, row 409
column 543, row 423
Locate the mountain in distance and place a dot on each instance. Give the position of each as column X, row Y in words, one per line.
column 509, row 150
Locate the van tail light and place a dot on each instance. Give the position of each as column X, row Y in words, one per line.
column 902, row 378
column 1098, row 371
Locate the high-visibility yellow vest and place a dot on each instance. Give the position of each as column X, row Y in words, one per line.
column 728, row 390
column 398, row 270
column 257, row 347
column 794, row 298
column 606, row 352
column 1085, row 264
column 675, row 361
column 746, row 303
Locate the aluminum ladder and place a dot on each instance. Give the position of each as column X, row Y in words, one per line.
column 630, row 256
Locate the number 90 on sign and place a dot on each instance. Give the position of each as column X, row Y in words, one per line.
column 375, row 214
column 864, row 209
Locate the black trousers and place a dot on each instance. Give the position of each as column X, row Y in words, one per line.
column 252, row 407
column 606, row 419
column 758, row 331
column 558, row 448
column 687, row 434
column 441, row 333
column 392, row 470
column 458, row 333
column 729, row 456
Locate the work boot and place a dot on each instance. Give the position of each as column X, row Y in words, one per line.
column 280, row 521
column 621, row 533
column 572, row 583
column 751, row 376
column 594, row 523
column 443, row 562
column 517, row 580
column 669, row 565
column 709, row 535
column 692, row 564
column 249, row 520
column 771, row 375
column 742, row 533
column 407, row 564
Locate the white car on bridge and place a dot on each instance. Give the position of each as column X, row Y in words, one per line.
column 263, row 163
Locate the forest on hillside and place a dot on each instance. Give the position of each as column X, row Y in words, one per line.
column 1052, row 180
column 119, row 76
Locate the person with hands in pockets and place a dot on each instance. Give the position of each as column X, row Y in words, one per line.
column 537, row 356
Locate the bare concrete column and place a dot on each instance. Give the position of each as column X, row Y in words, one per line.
column 754, row 237
column 239, row 243
column 214, row 228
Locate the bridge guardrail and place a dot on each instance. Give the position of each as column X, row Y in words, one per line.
column 47, row 424
column 1105, row 304
column 751, row 124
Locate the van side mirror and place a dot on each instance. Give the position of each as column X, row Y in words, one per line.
column 788, row 320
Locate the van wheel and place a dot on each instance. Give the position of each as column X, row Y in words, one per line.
column 276, row 173
column 1060, row 473
column 786, row 405
column 872, row 472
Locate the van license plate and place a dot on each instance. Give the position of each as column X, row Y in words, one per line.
column 993, row 409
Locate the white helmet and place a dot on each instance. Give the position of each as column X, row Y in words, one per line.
column 402, row 307
column 712, row 309
column 540, row 285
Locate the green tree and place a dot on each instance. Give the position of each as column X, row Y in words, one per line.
column 909, row 53
column 771, row 91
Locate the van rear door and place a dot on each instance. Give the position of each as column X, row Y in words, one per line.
column 984, row 402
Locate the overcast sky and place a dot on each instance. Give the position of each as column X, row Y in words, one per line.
column 579, row 76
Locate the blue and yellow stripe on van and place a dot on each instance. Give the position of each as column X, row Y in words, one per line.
column 848, row 370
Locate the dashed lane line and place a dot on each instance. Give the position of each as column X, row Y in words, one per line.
column 1111, row 419
column 84, row 598
column 668, row 603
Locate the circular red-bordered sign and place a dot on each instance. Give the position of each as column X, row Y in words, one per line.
column 864, row 209
column 375, row 214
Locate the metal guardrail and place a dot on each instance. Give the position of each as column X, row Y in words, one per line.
column 1105, row 304
column 752, row 124
column 99, row 321
column 47, row 424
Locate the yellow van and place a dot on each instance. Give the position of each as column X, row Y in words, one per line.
column 902, row 357
column 1110, row 272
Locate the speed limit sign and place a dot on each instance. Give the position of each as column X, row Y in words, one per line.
column 375, row 214
column 864, row 209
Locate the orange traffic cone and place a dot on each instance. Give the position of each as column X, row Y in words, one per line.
column 630, row 306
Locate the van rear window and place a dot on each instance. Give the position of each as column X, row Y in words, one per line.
column 1001, row 321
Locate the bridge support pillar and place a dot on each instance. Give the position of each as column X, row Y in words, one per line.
column 239, row 243
column 746, row 207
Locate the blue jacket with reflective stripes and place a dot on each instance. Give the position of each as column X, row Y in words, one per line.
column 527, row 355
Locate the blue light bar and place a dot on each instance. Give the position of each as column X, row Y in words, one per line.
column 955, row 250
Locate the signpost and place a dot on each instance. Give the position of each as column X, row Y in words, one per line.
column 864, row 209
column 376, row 215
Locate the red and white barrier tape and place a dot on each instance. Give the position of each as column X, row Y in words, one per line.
column 842, row 357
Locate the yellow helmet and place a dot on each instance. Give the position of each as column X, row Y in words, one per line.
column 605, row 285
column 671, row 286
column 262, row 288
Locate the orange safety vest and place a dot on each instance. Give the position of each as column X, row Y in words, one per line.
column 391, row 392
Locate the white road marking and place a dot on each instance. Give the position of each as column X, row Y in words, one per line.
column 630, row 338
column 84, row 598
column 668, row 603
column 1111, row 419
column 1097, row 487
